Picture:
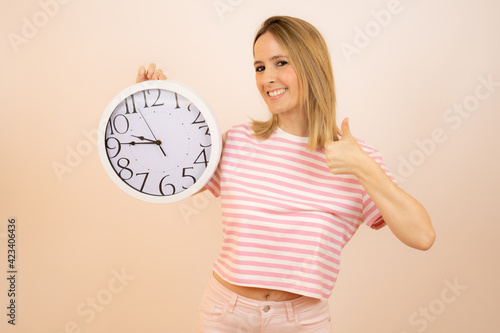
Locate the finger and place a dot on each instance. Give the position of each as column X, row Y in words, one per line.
column 141, row 75
column 157, row 74
column 151, row 70
column 346, row 131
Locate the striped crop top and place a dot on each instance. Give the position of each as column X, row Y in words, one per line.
column 285, row 217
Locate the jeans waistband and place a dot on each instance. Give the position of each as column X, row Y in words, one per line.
column 278, row 306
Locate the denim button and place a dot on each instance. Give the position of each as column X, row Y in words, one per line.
column 266, row 308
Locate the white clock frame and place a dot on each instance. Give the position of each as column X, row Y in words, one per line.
column 210, row 118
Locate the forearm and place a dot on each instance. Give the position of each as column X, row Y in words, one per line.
column 406, row 217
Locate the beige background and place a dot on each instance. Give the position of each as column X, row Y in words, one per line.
column 77, row 230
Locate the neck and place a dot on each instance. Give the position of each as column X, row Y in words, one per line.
column 295, row 124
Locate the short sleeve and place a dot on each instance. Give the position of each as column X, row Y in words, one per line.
column 213, row 184
column 371, row 215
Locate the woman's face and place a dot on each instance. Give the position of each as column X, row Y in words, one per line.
column 275, row 77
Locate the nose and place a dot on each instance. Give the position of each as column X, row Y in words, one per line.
column 270, row 76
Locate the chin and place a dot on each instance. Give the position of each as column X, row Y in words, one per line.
column 277, row 110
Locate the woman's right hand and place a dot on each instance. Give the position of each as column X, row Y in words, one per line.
column 150, row 74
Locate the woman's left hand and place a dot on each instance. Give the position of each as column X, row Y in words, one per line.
column 405, row 216
column 346, row 155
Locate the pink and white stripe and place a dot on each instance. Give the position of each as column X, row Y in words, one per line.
column 285, row 217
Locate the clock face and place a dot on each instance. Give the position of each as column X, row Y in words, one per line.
column 158, row 141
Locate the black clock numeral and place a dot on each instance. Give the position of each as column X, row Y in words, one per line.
column 145, row 98
column 145, row 178
column 207, row 132
column 146, row 106
column 119, row 128
column 124, row 167
column 201, row 122
column 176, row 101
column 133, row 105
column 169, row 184
column 110, row 126
column 118, row 147
column 157, row 98
column 186, row 175
column 196, row 121
column 203, row 156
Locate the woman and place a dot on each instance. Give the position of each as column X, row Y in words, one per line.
column 293, row 194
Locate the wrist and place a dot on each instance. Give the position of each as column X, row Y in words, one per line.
column 367, row 168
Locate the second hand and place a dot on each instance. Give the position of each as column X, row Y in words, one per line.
column 152, row 132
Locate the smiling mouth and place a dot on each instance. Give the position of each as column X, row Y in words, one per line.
column 277, row 92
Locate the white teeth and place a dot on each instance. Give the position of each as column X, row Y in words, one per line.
column 276, row 92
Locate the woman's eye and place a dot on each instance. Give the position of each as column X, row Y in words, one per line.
column 259, row 69
column 281, row 63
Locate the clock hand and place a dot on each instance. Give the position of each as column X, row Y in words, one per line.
column 157, row 141
column 143, row 138
column 133, row 143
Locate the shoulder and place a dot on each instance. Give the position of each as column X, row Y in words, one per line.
column 375, row 155
column 369, row 149
column 239, row 130
column 246, row 127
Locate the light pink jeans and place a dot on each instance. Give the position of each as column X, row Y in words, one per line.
column 222, row 310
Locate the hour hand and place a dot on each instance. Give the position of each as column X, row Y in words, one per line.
column 143, row 138
column 133, row 143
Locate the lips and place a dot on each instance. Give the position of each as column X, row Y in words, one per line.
column 277, row 92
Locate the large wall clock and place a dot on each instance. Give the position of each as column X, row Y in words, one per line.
column 159, row 141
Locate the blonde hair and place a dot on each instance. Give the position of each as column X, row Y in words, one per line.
column 310, row 59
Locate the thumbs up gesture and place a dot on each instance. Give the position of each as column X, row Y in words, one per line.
column 346, row 155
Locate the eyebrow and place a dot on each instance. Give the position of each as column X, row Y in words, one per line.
column 273, row 58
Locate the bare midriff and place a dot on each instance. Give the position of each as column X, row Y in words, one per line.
column 260, row 294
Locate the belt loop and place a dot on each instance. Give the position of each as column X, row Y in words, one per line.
column 289, row 312
column 232, row 302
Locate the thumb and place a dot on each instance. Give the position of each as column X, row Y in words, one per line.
column 346, row 131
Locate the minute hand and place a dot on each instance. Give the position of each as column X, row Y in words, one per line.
column 152, row 132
